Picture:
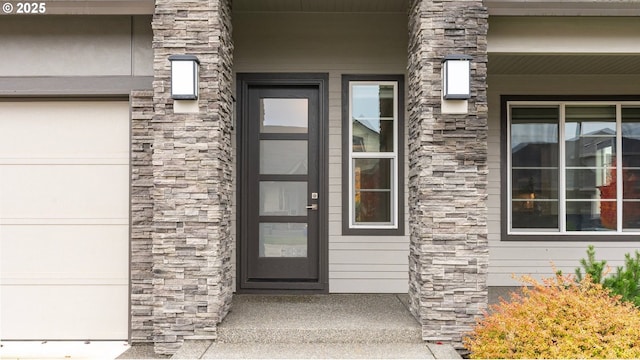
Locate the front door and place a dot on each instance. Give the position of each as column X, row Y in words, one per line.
column 282, row 198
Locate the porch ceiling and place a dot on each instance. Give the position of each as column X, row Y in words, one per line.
column 575, row 64
column 375, row 6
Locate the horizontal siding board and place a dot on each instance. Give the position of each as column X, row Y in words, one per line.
column 368, row 267
column 368, row 257
column 402, row 275
column 366, row 245
column 368, row 286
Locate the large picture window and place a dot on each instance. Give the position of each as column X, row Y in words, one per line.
column 573, row 168
column 372, row 154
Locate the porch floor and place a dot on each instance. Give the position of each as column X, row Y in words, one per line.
column 318, row 326
column 360, row 318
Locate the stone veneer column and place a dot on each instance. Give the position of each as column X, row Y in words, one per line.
column 448, row 171
column 141, row 216
column 192, row 176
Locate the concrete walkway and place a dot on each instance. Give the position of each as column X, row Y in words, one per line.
column 346, row 326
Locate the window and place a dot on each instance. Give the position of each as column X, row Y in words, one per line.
column 573, row 168
column 373, row 144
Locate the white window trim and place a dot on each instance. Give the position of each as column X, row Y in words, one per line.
column 374, row 155
column 561, row 167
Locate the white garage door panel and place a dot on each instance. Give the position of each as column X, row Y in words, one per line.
column 64, row 191
column 64, row 254
column 64, row 130
column 64, row 312
column 64, row 220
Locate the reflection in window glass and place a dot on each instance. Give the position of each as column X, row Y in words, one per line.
column 584, row 193
column 590, row 152
column 631, row 167
column 372, row 190
column 534, row 172
column 373, row 126
column 373, row 118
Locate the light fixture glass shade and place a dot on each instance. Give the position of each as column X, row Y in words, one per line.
column 456, row 82
column 184, row 77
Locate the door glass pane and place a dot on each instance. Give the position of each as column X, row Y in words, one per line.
column 373, row 117
column 631, row 167
column 283, row 157
column 283, row 240
column 283, row 198
column 284, row 115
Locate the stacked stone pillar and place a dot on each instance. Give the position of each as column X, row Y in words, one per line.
column 448, row 171
column 142, row 138
column 192, row 176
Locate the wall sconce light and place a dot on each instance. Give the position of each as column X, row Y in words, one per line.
column 184, row 77
column 456, row 73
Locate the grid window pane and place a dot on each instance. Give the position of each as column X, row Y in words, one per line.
column 373, row 207
column 534, row 214
column 534, row 161
column 373, row 179
column 373, row 118
column 372, row 126
column 596, row 186
column 631, row 167
column 591, row 215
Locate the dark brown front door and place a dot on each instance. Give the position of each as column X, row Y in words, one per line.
column 281, row 192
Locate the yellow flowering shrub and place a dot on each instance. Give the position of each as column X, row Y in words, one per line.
column 558, row 318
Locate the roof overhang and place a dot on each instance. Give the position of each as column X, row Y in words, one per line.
column 563, row 7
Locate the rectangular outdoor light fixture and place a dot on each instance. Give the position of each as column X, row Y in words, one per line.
column 184, row 77
column 456, row 73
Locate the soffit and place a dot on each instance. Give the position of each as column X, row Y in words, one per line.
column 331, row 6
column 578, row 64
column 564, row 7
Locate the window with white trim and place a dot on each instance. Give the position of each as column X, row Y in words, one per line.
column 372, row 154
column 573, row 168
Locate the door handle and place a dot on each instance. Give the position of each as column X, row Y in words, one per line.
column 312, row 207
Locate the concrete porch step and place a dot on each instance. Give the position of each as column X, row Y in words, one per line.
column 336, row 318
column 202, row 349
column 318, row 351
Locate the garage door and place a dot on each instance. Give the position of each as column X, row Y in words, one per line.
column 64, row 220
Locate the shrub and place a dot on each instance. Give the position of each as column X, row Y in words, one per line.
column 624, row 282
column 558, row 318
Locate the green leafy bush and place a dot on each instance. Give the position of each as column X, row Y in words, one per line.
column 558, row 318
column 624, row 282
